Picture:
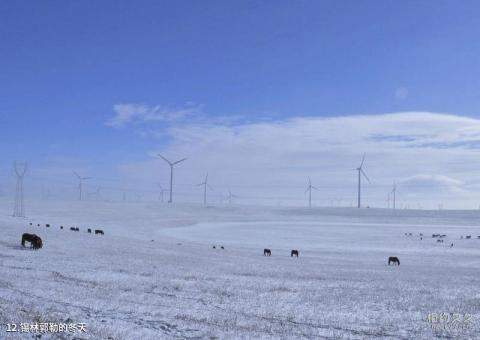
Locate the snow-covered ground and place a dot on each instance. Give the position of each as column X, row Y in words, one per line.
column 155, row 275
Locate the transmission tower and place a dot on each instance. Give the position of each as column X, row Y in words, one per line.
column 20, row 169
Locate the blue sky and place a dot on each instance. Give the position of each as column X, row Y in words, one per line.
column 68, row 66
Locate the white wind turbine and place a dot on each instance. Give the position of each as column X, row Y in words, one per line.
column 162, row 191
column 80, row 184
column 394, row 192
column 230, row 196
column 205, row 185
column 360, row 173
column 309, row 189
column 172, row 164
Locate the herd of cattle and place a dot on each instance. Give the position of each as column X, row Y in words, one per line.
column 37, row 243
column 440, row 237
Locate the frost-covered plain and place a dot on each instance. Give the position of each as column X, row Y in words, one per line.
column 154, row 274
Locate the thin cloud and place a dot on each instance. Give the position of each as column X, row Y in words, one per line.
column 130, row 113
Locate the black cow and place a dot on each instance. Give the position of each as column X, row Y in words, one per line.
column 214, row 247
column 61, row 227
column 89, row 230
column 222, row 247
column 47, row 225
column 294, row 252
column 35, row 241
column 99, row 231
column 393, row 259
column 468, row 237
column 267, row 252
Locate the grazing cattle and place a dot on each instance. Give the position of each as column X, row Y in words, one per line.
column 214, row 247
column 61, row 227
column 31, row 223
column 38, row 225
column 267, row 252
column 89, row 230
column 222, row 247
column 468, row 236
column 74, row 229
column 441, row 241
column 443, row 235
column 478, row 236
column 409, row 234
column 421, row 234
column 98, row 231
column 47, row 225
column 294, row 252
column 451, row 245
column 393, row 259
column 435, row 235
column 35, row 241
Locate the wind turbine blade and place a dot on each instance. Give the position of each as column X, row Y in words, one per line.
column 363, row 159
column 306, row 190
column 365, row 175
column 86, row 177
column 166, row 160
column 314, row 187
column 77, row 175
column 179, row 161
column 209, row 186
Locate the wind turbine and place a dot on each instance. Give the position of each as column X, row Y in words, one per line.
column 309, row 189
column 80, row 184
column 96, row 194
column 162, row 190
column 205, row 185
column 172, row 164
column 360, row 173
column 230, row 196
column 394, row 191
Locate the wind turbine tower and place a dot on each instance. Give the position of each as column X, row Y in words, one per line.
column 394, row 192
column 205, row 185
column 360, row 173
column 162, row 191
column 230, row 196
column 20, row 169
column 80, row 184
column 309, row 189
column 172, row 164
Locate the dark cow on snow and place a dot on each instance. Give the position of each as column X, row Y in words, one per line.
column 99, row 231
column 394, row 260
column 294, row 252
column 35, row 241
column 267, row 252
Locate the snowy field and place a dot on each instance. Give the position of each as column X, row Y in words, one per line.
column 154, row 274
